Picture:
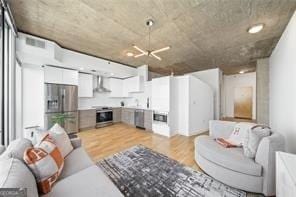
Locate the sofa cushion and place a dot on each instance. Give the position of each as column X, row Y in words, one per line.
column 231, row 158
column 15, row 174
column 77, row 160
column 16, row 149
column 88, row 182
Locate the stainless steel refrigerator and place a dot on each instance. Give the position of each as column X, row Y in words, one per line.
column 61, row 99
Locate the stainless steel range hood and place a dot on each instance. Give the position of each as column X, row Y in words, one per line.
column 100, row 87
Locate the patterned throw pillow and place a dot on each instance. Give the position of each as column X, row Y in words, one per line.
column 46, row 162
column 239, row 132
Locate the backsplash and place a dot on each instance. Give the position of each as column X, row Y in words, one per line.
column 103, row 99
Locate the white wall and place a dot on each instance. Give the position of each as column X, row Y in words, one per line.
column 195, row 105
column 55, row 55
column 201, row 106
column 213, row 77
column 18, row 100
column 77, row 60
column 33, row 96
column 183, row 105
column 283, row 86
column 230, row 82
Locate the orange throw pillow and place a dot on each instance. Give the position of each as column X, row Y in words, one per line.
column 46, row 162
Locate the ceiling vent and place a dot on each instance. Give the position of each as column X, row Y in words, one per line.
column 35, row 43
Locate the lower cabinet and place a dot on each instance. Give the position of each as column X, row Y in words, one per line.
column 148, row 119
column 87, row 119
column 116, row 114
column 128, row 116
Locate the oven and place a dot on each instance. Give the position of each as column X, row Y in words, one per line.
column 161, row 117
column 104, row 116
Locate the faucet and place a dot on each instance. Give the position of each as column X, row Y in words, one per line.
column 137, row 102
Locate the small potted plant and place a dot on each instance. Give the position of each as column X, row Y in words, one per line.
column 61, row 119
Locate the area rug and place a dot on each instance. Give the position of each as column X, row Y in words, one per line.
column 140, row 171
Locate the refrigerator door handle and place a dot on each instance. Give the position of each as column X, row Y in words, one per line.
column 63, row 92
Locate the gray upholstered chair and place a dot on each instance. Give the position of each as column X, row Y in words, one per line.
column 230, row 166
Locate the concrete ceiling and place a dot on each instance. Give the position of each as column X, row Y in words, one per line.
column 203, row 34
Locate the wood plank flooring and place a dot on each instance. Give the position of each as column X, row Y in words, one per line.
column 103, row 142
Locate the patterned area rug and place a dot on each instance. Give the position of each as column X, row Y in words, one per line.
column 139, row 171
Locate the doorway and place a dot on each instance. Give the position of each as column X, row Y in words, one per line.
column 243, row 102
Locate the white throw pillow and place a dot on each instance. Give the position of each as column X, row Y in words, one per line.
column 253, row 138
column 239, row 132
column 61, row 138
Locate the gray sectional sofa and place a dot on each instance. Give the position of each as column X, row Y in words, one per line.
column 80, row 176
column 230, row 166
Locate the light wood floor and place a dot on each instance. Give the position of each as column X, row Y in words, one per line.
column 103, row 142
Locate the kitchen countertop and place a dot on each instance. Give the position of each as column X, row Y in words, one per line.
column 137, row 107
column 85, row 108
column 127, row 107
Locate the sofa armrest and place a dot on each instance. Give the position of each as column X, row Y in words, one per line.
column 265, row 156
column 76, row 142
column 220, row 128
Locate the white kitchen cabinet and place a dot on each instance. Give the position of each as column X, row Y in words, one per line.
column 60, row 76
column 116, row 87
column 161, row 88
column 85, row 85
column 53, row 75
column 136, row 84
column 70, row 77
column 122, row 87
column 127, row 86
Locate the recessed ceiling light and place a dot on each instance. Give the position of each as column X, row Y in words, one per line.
column 129, row 54
column 255, row 28
column 242, row 72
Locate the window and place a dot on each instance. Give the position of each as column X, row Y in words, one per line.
column 8, row 76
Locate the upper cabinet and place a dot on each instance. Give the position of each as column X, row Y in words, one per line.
column 70, row 77
column 53, row 75
column 161, row 93
column 116, row 87
column 122, row 87
column 85, row 85
column 60, row 76
column 135, row 84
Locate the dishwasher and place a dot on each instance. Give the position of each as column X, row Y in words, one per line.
column 139, row 118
